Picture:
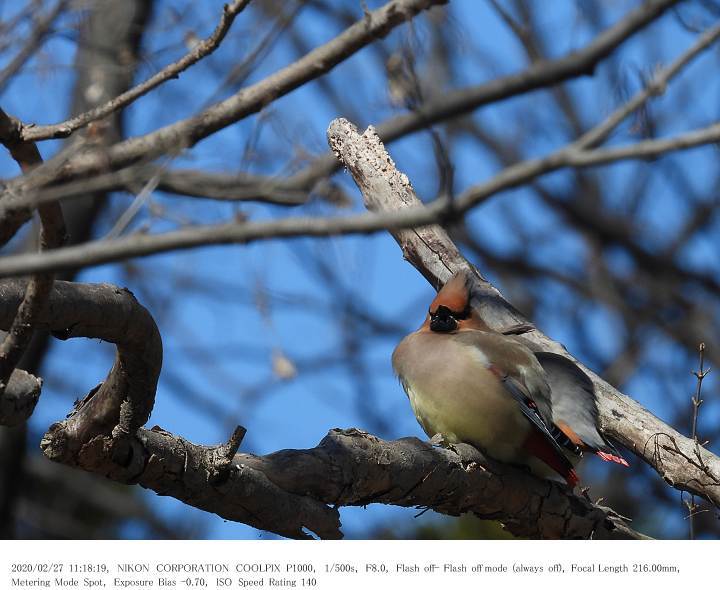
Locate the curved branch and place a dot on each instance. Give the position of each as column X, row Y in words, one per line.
column 122, row 403
column 682, row 463
column 289, row 492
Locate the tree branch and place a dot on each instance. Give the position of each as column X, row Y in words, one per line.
column 191, row 183
column 288, row 492
column 676, row 458
column 455, row 103
column 42, row 27
column 123, row 402
column 187, row 132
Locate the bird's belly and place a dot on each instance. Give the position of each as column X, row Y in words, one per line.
column 472, row 408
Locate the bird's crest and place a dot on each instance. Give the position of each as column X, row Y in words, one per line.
column 455, row 295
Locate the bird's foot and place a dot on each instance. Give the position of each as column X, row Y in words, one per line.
column 585, row 493
column 439, row 440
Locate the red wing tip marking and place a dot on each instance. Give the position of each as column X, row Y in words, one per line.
column 613, row 458
column 572, row 478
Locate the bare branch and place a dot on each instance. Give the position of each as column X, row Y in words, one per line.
column 287, row 492
column 126, row 397
column 188, row 132
column 675, row 457
column 191, row 183
column 654, row 87
column 543, row 74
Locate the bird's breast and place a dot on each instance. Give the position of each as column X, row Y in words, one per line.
column 453, row 392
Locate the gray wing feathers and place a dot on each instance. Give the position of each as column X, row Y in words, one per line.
column 573, row 398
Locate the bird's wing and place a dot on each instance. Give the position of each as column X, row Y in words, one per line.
column 574, row 409
column 509, row 358
column 524, row 379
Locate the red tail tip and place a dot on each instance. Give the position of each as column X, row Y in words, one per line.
column 614, row 458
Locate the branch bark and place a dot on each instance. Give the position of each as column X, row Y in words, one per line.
column 676, row 458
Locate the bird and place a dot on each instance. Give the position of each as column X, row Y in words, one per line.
column 468, row 383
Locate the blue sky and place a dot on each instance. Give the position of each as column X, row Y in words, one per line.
column 219, row 346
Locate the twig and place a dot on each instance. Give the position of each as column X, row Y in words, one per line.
column 138, row 202
column 187, row 182
column 201, row 50
column 697, row 401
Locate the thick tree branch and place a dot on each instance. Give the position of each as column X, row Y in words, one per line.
column 123, row 402
column 288, row 492
column 676, row 458
column 294, row 491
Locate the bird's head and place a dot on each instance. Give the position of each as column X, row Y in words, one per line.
column 451, row 310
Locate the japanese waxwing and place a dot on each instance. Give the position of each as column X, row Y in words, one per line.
column 472, row 384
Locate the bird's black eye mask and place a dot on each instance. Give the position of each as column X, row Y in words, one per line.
column 443, row 319
column 444, row 311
